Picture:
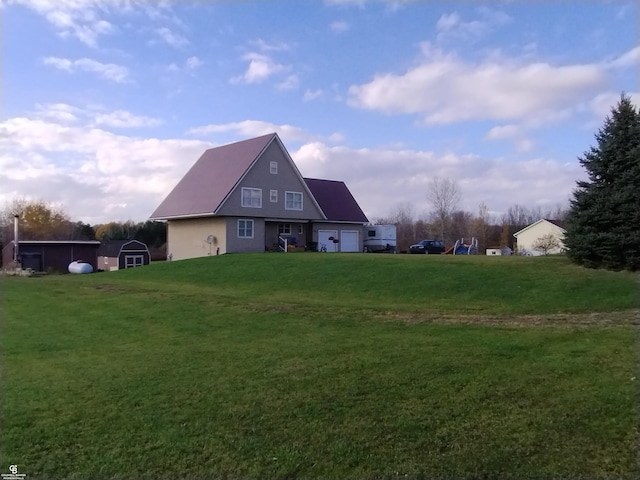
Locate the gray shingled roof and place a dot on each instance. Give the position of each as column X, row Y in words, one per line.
column 212, row 177
column 336, row 201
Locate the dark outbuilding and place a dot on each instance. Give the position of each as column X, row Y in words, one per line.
column 51, row 255
column 117, row 254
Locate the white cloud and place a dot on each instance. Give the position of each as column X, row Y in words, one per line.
column 259, row 69
column 310, row 95
column 452, row 27
column 97, row 175
column 124, row 119
column 289, row 83
column 265, row 46
column 252, row 128
column 109, row 71
column 193, row 62
column 77, row 18
column 627, row 59
column 171, row 38
column 339, row 26
column 445, row 89
column 380, row 179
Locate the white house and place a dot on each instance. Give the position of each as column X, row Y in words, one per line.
column 528, row 236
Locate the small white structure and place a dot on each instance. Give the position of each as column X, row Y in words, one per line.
column 528, row 236
column 380, row 238
column 498, row 251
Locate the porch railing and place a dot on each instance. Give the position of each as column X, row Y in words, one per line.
column 282, row 244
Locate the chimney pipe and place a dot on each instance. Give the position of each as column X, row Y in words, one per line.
column 15, row 238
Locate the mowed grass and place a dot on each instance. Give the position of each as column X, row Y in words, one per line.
column 323, row 366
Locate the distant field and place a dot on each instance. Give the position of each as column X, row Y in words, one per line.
column 323, row 366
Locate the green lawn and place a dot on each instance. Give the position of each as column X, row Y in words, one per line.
column 277, row 366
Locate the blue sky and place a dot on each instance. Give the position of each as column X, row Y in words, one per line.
column 107, row 103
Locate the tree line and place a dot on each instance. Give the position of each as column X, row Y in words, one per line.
column 39, row 220
column 451, row 224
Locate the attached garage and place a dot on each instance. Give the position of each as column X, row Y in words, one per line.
column 349, row 241
column 327, row 240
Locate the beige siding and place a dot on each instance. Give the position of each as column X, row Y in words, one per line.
column 527, row 237
column 188, row 238
column 287, row 179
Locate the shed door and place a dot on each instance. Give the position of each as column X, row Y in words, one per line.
column 131, row 261
column 32, row 261
column 324, row 244
column 349, row 241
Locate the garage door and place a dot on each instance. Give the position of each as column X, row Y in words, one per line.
column 349, row 241
column 324, row 244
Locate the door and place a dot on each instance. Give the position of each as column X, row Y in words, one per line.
column 325, row 240
column 349, row 241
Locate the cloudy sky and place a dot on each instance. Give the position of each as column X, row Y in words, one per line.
column 105, row 104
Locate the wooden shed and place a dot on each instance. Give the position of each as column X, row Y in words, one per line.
column 117, row 254
column 51, row 255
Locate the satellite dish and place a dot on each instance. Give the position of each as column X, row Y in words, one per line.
column 210, row 239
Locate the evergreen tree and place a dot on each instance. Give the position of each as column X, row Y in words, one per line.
column 603, row 225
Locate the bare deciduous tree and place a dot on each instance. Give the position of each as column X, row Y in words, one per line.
column 546, row 243
column 443, row 194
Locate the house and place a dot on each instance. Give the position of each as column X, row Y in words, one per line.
column 117, row 254
column 249, row 196
column 528, row 236
column 50, row 255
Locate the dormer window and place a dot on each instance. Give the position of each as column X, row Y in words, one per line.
column 273, row 168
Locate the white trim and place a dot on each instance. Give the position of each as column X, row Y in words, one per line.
column 273, row 168
column 537, row 223
column 252, row 191
column 286, row 202
column 138, row 261
column 273, row 196
column 253, row 227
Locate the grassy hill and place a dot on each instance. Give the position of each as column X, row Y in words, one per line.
column 323, row 366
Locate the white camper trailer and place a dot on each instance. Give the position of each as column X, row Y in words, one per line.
column 380, row 238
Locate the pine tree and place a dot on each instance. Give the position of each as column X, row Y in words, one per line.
column 603, row 225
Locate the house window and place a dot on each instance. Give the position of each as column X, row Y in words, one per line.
column 300, row 229
column 251, row 197
column 273, row 168
column 284, row 229
column 293, row 200
column 245, row 228
column 273, row 196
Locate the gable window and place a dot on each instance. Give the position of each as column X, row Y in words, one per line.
column 273, row 196
column 245, row 228
column 251, row 197
column 293, row 200
column 273, row 168
column 284, row 229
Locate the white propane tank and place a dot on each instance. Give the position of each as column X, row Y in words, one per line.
column 80, row 267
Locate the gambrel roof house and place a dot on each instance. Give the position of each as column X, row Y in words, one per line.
column 245, row 196
column 527, row 237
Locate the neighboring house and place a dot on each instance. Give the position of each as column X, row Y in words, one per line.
column 526, row 238
column 44, row 255
column 243, row 196
column 117, row 254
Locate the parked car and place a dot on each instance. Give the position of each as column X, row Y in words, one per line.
column 427, row 246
